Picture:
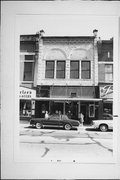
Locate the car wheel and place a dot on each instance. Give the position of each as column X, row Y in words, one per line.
column 38, row 125
column 67, row 126
column 103, row 127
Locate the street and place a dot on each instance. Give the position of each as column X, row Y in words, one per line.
column 61, row 145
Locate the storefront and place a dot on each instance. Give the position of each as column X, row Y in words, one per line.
column 69, row 100
column 106, row 94
column 69, row 106
column 25, row 96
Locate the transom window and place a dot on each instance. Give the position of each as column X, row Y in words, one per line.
column 74, row 69
column 85, row 70
column 60, row 72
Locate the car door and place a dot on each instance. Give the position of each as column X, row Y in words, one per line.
column 110, row 123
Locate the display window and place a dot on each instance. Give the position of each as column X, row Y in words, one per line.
column 108, row 108
column 25, row 108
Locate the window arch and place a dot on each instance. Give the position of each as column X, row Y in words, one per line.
column 78, row 54
column 56, row 54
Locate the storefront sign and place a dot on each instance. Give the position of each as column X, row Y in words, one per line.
column 106, row 91
column 26, row 93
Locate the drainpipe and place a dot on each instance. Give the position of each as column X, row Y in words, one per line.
column 40, row 56
column 95, row 49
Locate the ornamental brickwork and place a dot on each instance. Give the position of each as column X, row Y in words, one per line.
column 67, row 48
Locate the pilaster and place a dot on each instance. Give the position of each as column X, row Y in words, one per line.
column 95, row 64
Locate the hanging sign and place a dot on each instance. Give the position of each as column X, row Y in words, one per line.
column 106, row 91
column 26, row 93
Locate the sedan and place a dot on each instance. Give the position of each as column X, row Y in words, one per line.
column 55, row 121
column 103, row 125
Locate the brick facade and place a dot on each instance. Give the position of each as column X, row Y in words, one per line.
column 105, row 57
column 67, row 48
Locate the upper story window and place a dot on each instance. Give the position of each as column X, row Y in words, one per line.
column 49, row 73
column 60, row 71
column 27, row 46
column 74, row 69
column 27, row 67
column 108, row 54
column 85, row 70
column 108, row 72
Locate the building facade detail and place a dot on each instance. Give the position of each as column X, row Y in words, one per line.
column 68, row 74
column 105, row 74
column 67, row 49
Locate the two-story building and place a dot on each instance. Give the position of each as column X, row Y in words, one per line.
column 105, row 74
column 64, row 73
column 27, row 67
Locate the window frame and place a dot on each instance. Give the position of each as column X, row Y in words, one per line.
column 74, row 70
column 26, row 61
column 84, row 70
column 59, row 70
column 108, row 73
column 51, row 70
column 91, row 115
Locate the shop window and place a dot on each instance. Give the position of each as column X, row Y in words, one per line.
column 108, row 72
column 60, row 72
column 73, row 95
column 74, row 69
column 85, row 69
column 108, row 108
column 91, row 110
column 25, row 108
column 43, row 91
column 49, row 73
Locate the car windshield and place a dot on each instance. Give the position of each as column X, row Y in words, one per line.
column 58, row 117
column 64, row 117
column 54, row 117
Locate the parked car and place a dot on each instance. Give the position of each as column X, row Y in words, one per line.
column 55, row 121
column 104, row 124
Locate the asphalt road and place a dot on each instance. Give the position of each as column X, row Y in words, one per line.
column 61, row 145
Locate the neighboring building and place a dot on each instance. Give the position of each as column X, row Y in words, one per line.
column 63, row 74
column 105, row 74
column 27, row 67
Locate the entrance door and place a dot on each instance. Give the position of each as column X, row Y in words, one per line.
column 40, row 108
column 83, row 110
column 74, row 110
column 56, row 107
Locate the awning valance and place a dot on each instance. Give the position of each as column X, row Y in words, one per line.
column 67, row 99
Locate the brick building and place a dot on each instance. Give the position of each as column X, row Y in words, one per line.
column 63, row 72
column 27, row 67
column 105, row 74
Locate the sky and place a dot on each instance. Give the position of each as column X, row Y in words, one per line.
column 67, row 25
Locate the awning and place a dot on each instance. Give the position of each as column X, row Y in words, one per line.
column 108, row 100
column 67, row 99
column 26, row 93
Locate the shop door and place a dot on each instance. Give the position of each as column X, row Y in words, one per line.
column 74, row 110
column 57, row 107
column 83, row 110
column 40, row 108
